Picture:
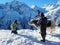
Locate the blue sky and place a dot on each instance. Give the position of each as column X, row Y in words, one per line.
column 39, row 3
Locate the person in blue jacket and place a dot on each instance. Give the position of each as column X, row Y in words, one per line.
column 43, row 24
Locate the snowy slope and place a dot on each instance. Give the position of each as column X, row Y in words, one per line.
column 28, row 37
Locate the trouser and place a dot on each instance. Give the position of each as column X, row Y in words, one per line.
column 43, row 33
column 14, row 31
column 43, row 36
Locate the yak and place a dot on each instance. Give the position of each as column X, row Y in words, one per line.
column 50, row 25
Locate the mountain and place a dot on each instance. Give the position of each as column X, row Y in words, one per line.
column 2, row 6
column 16, row 10
column 53, row 12
column 39, row 8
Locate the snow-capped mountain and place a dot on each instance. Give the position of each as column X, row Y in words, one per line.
column 16, row 10
column 2, row 6
column 39, row 8
column 53, row 11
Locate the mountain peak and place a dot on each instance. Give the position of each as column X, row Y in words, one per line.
column 35, row 7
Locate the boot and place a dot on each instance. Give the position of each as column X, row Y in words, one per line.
column 43, row 37
column 42, row 40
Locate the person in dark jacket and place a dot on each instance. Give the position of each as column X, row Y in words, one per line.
column 14, row 26
column 43, row 23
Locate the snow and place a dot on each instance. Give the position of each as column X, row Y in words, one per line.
column 32, row 6
column 28, row 37
column 58, row 2
column 16, row 10
column 35, row 8
column 48, row 7
column 53, row 11
column 20, row 11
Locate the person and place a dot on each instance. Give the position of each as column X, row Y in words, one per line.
column 13, row 27
column 42, row 22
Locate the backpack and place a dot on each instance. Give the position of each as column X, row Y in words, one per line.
column 48, row 23
column 12, row 26
column 44, row 21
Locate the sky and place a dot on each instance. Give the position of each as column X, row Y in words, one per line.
column 39, row 3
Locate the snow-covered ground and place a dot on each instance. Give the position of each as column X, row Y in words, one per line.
column 28, row 37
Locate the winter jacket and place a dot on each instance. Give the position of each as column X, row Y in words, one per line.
column 43, row 23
